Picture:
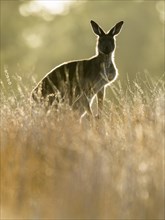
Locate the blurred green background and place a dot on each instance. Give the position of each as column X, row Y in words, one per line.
column 38, row 35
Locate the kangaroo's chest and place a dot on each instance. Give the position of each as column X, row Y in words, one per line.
column 107, row 71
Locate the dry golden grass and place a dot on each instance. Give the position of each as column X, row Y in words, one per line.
column 54, row 167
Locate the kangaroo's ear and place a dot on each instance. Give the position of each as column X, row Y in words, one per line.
column 116, row 29
column 97, row 29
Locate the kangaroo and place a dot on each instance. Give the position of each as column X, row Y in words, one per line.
column 79, row 81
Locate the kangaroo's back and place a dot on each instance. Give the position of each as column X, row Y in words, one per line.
column 79, row 81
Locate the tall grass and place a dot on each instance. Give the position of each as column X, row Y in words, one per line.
column 54, row 167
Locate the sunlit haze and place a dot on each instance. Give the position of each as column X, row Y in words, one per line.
column 44, row 8
column 53, row 7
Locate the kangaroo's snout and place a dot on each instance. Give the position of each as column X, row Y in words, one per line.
column 107, row 49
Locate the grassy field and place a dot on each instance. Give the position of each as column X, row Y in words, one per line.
column 54, row 167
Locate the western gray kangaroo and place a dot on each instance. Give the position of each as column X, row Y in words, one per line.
column 78, row 82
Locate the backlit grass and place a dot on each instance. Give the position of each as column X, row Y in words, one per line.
column 54, row 167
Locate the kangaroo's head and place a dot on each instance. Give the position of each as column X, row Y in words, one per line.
column 106, row 41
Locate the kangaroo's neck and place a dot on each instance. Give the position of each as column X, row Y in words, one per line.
column 107, row 59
